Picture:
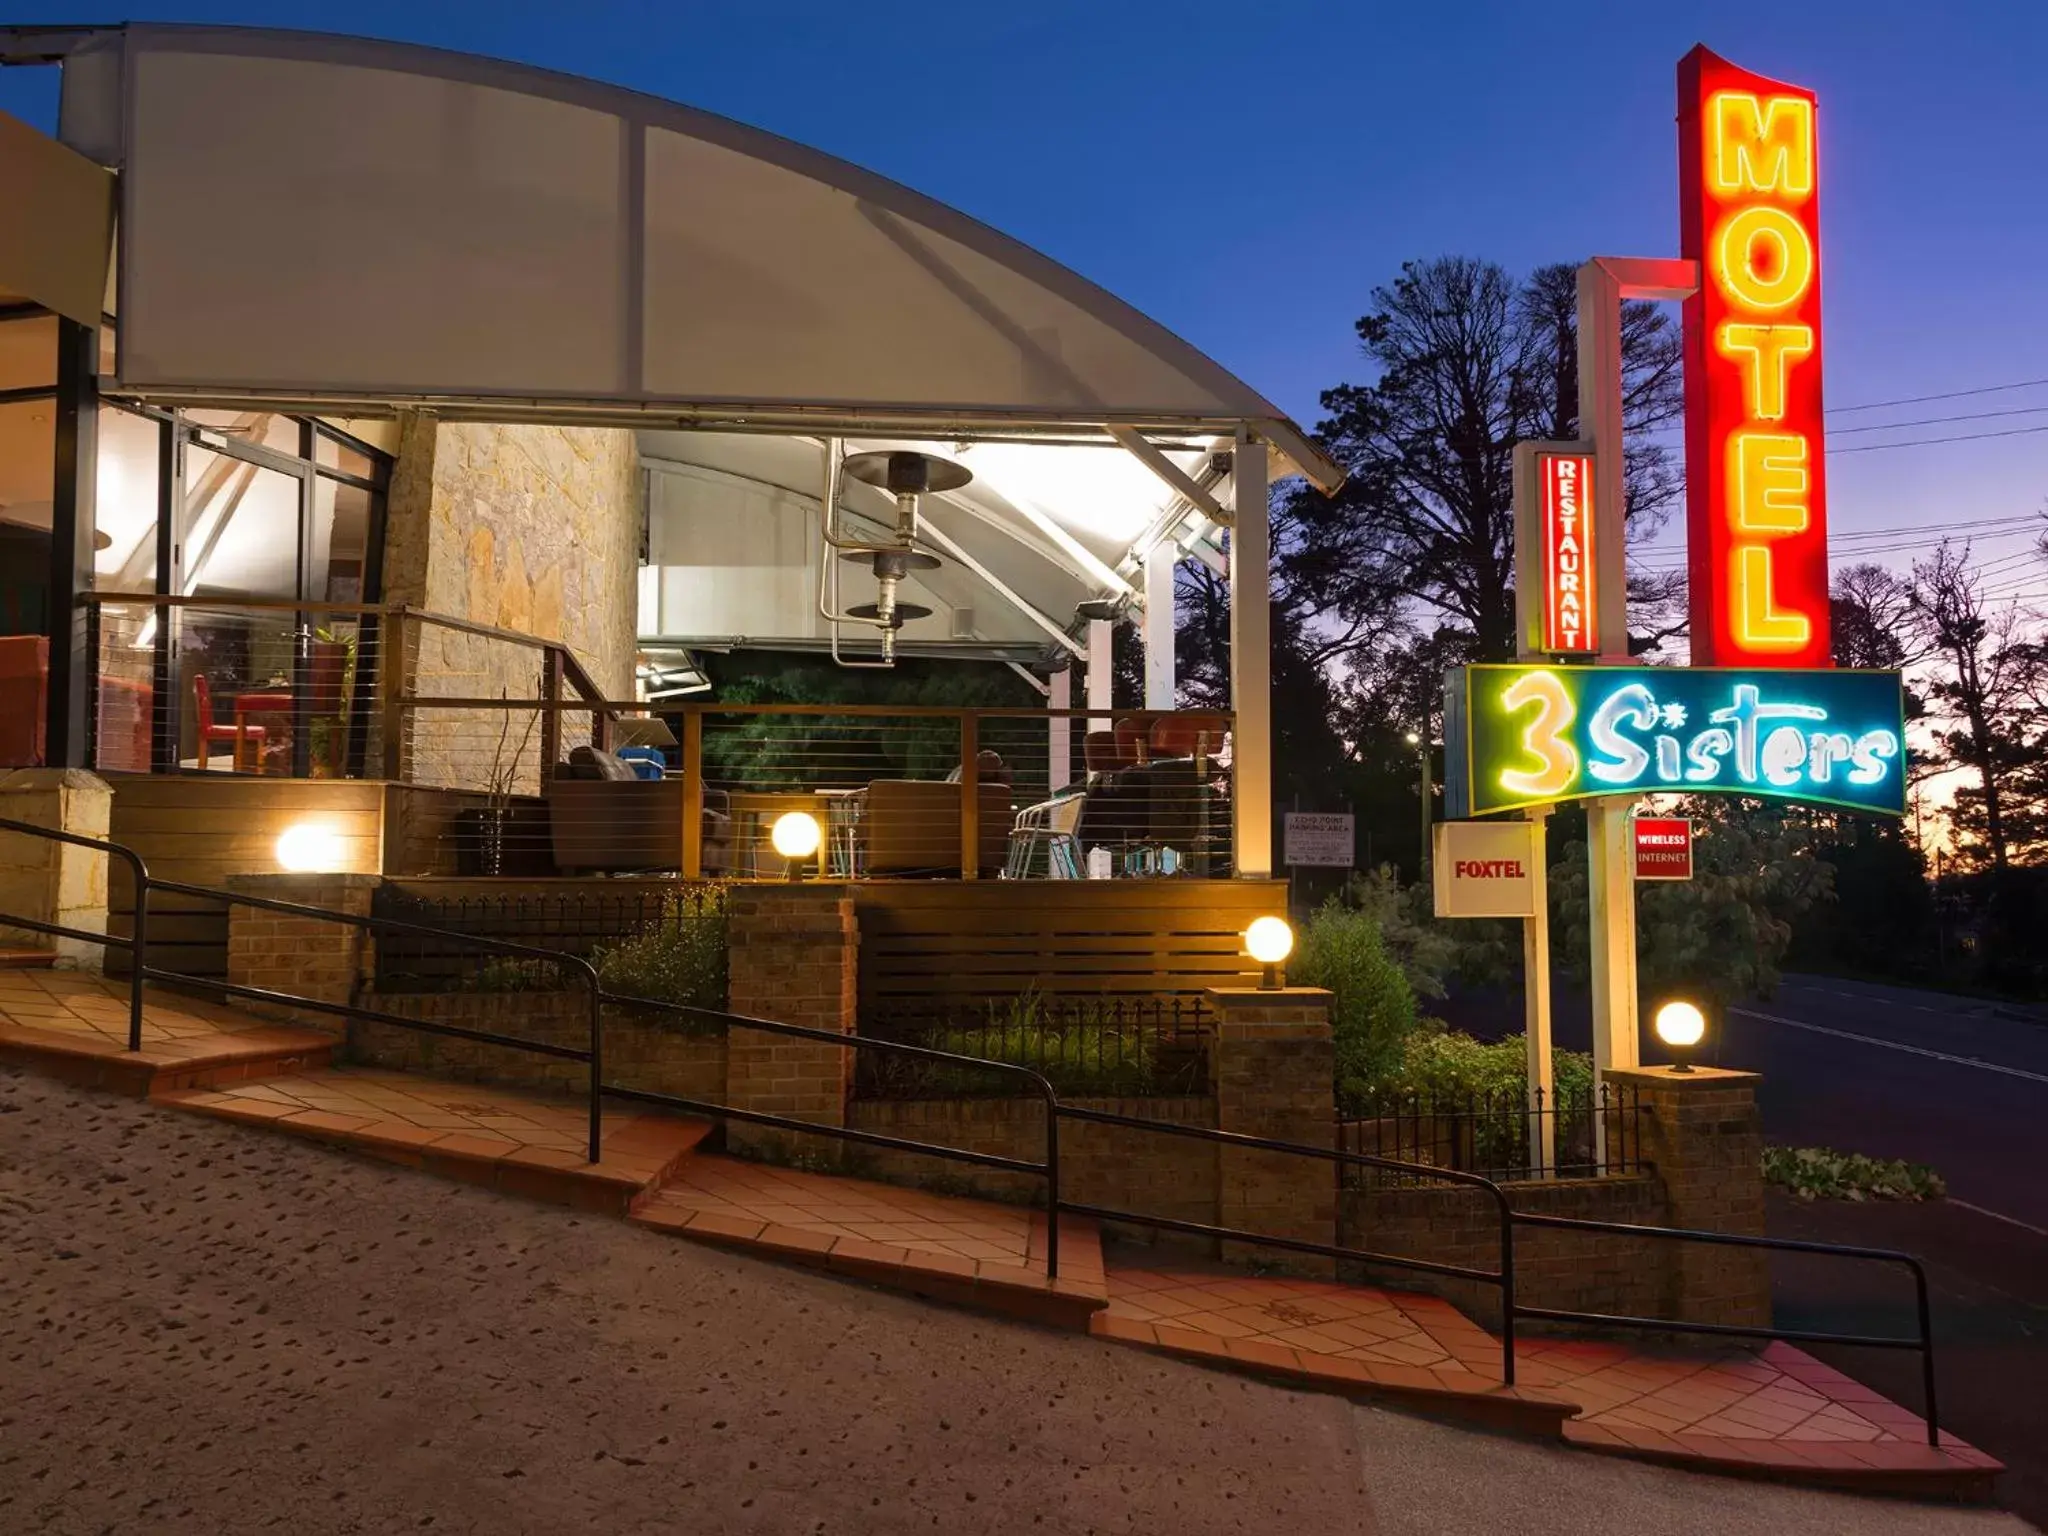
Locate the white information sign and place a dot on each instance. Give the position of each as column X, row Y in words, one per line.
column 1319, row 839
column 1485, row 868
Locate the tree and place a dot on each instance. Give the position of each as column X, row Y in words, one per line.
column 1872, row 619
column 1469, row 364
column 1987, row 687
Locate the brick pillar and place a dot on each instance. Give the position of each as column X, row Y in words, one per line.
column 52, row 882
column 1702, row 1131
column 1272, row 1067
column 306, row 956
column 794, row 957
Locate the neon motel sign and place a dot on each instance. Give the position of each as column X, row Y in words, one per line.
column 1565, row 483
column 1756, row 492
column 1536, row 735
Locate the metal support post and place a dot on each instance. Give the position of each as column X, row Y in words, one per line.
column 1159, row 678
column 1251, row 661
column 1536, row 1011
column 1059, row 731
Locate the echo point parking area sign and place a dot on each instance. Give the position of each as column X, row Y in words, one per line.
column 1319, row 840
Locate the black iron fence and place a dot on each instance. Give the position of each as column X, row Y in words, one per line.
column 1110, row 1047
column 572, row 918
column 1506, row 1135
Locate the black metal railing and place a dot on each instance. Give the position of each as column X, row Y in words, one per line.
column 1056, row 1205
column 1502, row 1278
column 1922, row 1340
column 1509, row 1135
column 1140, row 1047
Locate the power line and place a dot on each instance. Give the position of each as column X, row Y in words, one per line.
column 1953, row 394
column 1923, row 442
column 1936, row 421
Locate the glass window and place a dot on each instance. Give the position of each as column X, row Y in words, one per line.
column 124, row 558
column 341, row 541
column 330, row 453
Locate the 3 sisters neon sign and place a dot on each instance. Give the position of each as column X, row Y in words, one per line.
column 1544, row 734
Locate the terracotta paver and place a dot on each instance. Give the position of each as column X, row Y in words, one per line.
column 974, row 1251
column 528, row 1143
column 1770, row 1407
column 77, row 1021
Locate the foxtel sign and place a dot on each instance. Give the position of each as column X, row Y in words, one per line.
column 1533, row 735
column 1756, row 487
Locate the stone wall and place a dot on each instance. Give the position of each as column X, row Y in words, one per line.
column 48, row 881
column 1578, row 1271
column 640, row 1051
column 529, row 528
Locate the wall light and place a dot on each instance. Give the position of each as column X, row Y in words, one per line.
column 1681, row 1026
column 1269, row 941
column 309, row 847
column 796, row 837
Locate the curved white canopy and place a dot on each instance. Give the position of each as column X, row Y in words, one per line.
column 337, row 223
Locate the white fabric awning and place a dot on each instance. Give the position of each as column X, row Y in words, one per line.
column 345, row 225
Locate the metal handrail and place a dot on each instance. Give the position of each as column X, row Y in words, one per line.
column 140, row 970
column 133, row 942
column 1924, row 1342
column 1049, row 1170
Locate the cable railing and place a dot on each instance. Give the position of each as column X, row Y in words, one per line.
column 1056, row 1206
column 543, row 773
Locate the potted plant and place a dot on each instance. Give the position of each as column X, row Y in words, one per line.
column 330, row 680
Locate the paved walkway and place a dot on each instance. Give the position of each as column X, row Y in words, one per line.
column 208, row 1331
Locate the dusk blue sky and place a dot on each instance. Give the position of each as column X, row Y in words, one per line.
column 1247, row 174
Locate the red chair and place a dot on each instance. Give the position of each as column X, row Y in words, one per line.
column 241, row 733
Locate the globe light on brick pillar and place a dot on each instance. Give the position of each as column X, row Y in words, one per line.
column 1681, row 1026
column 1269, row 941
column 796, row 837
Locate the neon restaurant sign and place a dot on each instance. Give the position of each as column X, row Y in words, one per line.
column 1537, row 735
column 1565, row 483
column 1756, row 492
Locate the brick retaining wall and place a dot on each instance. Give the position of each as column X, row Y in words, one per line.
column 640, row 1051
column 1581, row 1271
column 1158, row 1175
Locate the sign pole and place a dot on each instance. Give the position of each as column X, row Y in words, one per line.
column 1609, row 849
column 1536, row 1008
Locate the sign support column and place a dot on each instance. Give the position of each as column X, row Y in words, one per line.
column 1536, row 1006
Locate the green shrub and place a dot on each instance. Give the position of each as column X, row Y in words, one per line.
column 1373, row 1012
column 1451, row 1065
column 1821, row 1173
column 680, row 960
column 1085, row 1061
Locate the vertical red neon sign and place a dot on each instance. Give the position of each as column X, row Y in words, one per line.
column 1569, row 604
column 1756, row 483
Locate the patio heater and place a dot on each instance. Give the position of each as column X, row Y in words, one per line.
column 909, row 477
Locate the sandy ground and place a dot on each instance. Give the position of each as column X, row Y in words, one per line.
column 212, row 1329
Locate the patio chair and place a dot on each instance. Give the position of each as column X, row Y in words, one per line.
column 1052, row 825
column 239, row 736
